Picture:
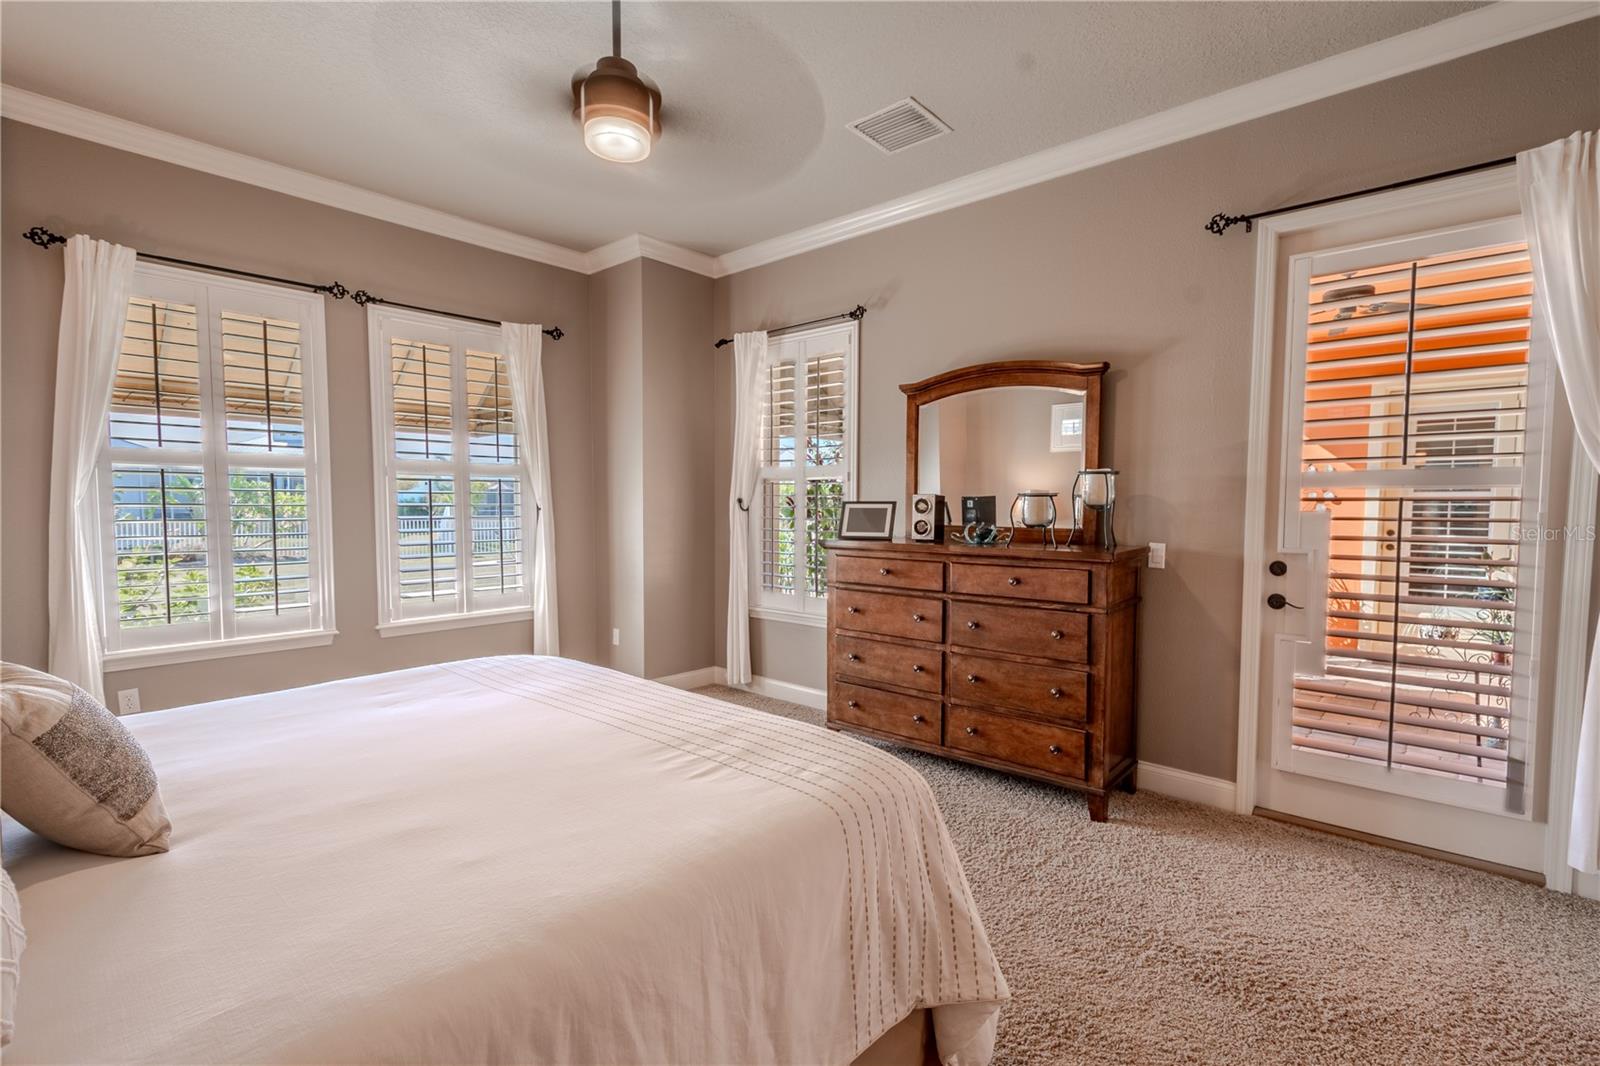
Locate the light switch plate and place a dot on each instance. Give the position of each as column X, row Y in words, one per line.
column 1158, row 556
column 128, row 701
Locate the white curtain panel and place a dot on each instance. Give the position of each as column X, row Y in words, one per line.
column 749, row 382
column 1560, row 188
column 524, row 350
column 94, row 306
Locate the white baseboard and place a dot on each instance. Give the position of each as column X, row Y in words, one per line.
column 785, row 690
column 804, row 695
column 1153, row 777
column 1184, row 785
column 706, row 675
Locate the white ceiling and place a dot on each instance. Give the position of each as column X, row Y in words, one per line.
column 465, row 107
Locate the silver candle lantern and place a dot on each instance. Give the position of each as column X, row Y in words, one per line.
column 1096, row 490
column 1035, row 509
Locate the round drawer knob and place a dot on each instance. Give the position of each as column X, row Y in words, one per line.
column 1055, row 749
column 851, row 703
column 916, row 618
column 852, row 610
column 972, row 730
column 972, row 679
column 884, row 570
column 1055, row 634
column 916, row 668
column 917, row 718
column 1055, row 693
column 853, row 657
column 1013, row 581
column 972, row 625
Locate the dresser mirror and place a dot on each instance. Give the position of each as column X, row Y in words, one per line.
column 997, row 429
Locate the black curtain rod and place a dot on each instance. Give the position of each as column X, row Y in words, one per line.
column 363, row 297
column 855, row 314
column 1220, row 222
column 45, row 239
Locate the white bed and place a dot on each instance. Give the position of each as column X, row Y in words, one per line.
column 514, row 859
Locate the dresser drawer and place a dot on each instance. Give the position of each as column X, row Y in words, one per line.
column 919, row 574
column 887, row 712
column 1056, row 584
column 1050, row 690
column 891, row 664
column 1021, row 630
column 1052, row 748
column 918, row 617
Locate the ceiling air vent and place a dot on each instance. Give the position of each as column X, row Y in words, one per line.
column 900, row 125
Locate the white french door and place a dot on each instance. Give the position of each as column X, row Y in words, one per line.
column 1399, row 604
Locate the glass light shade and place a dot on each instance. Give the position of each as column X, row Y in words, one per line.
column 620, row 111
column 620, row 140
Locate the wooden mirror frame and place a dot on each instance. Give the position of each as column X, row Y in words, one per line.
column 1041, row 373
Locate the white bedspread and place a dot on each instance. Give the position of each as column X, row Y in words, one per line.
column 514, row 859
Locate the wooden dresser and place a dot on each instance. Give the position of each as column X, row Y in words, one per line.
column 1020, row 659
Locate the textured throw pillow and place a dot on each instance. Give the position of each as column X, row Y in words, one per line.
column 71, row 772
column 12, row 941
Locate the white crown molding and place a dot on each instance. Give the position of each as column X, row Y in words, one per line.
column 1431, row 45
column 1440, row 42
column 622, row 250
column 639, row 246
column 80, row 122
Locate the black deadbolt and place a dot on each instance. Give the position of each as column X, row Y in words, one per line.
column 1277, row 568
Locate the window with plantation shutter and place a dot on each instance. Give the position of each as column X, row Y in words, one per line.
column 214, row 473
column 1421, row 436
column 807, row 468
column 453, row 524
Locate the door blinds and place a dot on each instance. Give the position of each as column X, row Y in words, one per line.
column 1415, row 422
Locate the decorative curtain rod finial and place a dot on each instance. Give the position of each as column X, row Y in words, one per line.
column 1220, row 222
column 43, row 237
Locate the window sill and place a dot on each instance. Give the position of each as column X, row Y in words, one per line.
column 139, row 658
column 797, row 618
column 454, row 621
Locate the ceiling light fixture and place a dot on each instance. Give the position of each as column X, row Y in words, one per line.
column 619, row 110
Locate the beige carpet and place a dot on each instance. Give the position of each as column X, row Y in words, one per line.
column 1180, row 934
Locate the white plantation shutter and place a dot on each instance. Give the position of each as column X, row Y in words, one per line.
column 215, row 472
column 1419, row 448
column 453, row 518
column 807, row 465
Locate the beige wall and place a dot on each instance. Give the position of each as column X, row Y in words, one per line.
column 1113, row 264
column 679, row 496
column 72, row 186
column 616, row 324
column 651, row 341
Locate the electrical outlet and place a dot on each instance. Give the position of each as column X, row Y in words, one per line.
column 1158, row 556
column 616, row 638
column 128, row 701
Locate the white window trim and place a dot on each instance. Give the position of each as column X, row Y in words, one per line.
column 458, row 335
column 1275, row 236
column 435, row 623
column 195, row 287
column 168, row 655
column 804, row 608
column 1530, row 481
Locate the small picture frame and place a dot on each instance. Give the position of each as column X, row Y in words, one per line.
column 867, row 520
